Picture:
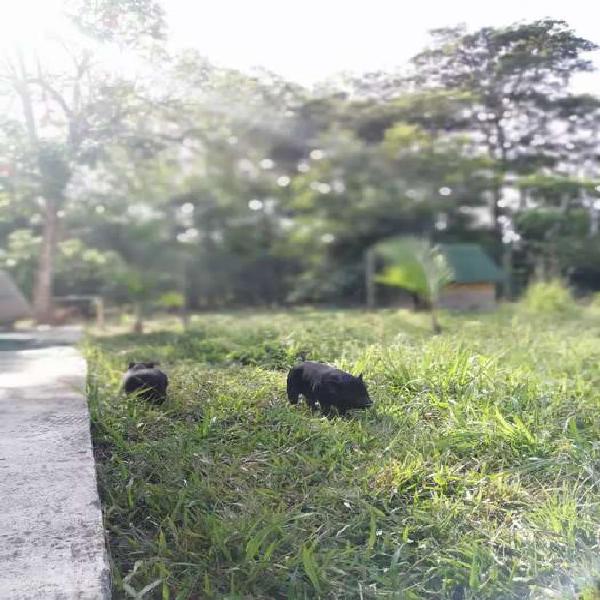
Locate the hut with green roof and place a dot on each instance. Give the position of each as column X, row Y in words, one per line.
column 474, row 278
column 472, row 281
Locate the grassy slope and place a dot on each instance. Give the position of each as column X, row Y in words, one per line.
column 476, row 475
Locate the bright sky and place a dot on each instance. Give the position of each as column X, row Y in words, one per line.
column 309, row 40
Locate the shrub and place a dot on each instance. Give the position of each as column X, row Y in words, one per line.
column 594, row 302
column 171, row 300
column 548, row 297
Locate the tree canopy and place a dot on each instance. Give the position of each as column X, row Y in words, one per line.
column 231, row 188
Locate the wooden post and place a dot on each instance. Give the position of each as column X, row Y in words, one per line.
column 507, row 268
column 138, row 324
column 99, row 312
column 183, row 310
column 370, row 277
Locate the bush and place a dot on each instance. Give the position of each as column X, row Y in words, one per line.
column 593, row 302
column 171, row 300
column 548, row 297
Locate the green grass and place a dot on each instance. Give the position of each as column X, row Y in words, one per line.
column 476, row 475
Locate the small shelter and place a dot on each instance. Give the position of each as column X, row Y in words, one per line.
column 13, row 305
column 474, row 278
column 473, row 281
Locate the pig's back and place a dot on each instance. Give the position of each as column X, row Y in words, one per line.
column 314, row 372
column 154, row 378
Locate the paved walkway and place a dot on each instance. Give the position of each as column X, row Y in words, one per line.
column 51, row 535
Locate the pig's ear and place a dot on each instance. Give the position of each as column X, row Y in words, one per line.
column 131, row 365
column 360, row 377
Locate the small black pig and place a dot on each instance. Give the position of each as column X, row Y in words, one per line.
column 328, row 386
column 147, row 381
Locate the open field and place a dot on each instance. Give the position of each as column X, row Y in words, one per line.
column 476, row 475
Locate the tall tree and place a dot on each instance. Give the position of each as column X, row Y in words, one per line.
column 65, row 113
column 518, row 79
column 126, row 22
column 46, row 106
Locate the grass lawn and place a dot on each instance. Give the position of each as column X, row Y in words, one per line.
column 476, row 474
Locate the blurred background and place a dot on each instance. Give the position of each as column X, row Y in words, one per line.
column 176, row 157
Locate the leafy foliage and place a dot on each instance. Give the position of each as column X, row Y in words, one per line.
column 415, row 265
column 123, row 21
column 548, row 298
column 246, row 189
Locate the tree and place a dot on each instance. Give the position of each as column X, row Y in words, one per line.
column 51, row 103
column 382, row 174
column 417, row 266
column 518, row 80
column 242, row 188
column 127, row 22
column 238, row 166
column 65, row 115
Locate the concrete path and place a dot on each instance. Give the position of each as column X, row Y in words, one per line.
column 51, row 534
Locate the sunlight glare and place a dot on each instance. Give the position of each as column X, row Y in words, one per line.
column 27, row 22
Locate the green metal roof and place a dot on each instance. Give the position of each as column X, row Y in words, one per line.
column 470, row 264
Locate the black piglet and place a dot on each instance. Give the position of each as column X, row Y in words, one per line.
column 328, row 386
column 147, row 381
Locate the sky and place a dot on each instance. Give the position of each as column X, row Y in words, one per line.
column 310, row 40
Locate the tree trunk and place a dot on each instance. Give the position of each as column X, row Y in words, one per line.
column 415, row 301
column 99, row 305
column 43, row 288
column 435, row 324
column 183, row 309
column 370, row 277
column 539, row 268
column 507, row 269
column 42, row 297
column 138, row 325
column 495, row 212
column 593, row 220
column 523, row 196
column 498, row 184
column 185, row 318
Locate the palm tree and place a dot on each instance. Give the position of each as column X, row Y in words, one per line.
column 417, row 266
